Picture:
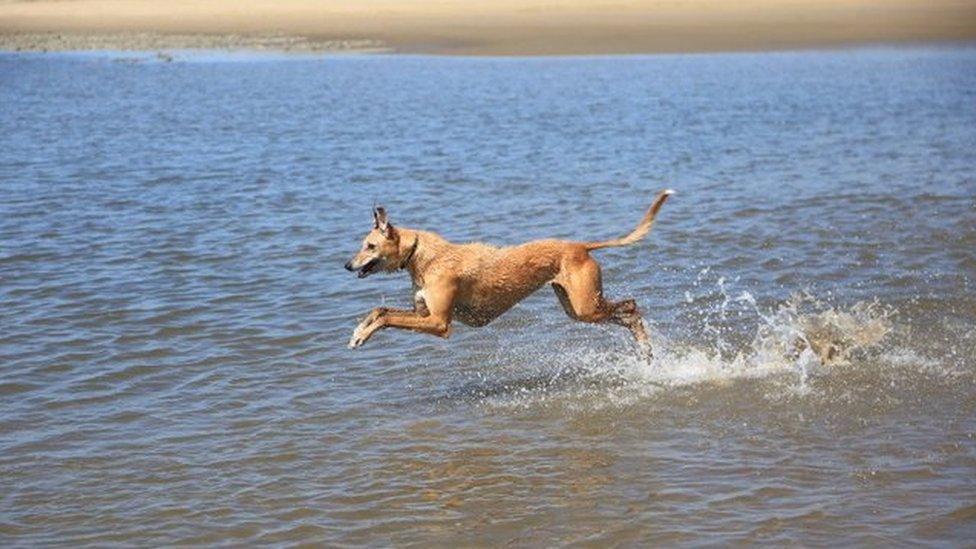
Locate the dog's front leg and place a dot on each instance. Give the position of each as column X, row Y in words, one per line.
column 434, row 318
column 419, row 307
column 376, row 313
column 439, row 326
column 362, row 331
column 408, row 320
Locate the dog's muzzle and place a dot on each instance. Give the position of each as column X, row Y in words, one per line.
column 365, row 270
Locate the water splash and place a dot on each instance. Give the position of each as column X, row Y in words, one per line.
column 800, row 336
column 736, row 339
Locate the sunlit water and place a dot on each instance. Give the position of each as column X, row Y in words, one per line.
column 174, row 313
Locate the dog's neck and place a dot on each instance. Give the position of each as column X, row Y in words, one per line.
column 408, row 255
column 418, row 249
column 409, row 250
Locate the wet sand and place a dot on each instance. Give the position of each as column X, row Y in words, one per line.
column 482, row 27
column 149, row 41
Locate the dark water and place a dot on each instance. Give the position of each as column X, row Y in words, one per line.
column 174, row 313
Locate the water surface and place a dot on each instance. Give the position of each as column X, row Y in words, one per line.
column 174, row 313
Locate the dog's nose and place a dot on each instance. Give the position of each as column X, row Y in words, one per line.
column 349, row 266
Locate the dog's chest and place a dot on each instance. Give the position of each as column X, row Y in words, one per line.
column 462, row 311
column 420, row 300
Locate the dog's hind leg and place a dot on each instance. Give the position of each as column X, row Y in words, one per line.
column 579, row 287
column 625, row 313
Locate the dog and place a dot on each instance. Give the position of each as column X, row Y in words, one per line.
column 475, row 283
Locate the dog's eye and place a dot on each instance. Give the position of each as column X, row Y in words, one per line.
column 371, row 246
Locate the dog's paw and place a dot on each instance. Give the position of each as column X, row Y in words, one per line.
column 359, row 335
column 644, row 351
column 366, row 328
column 356, row 340
column 373, row 316
column 362, row 326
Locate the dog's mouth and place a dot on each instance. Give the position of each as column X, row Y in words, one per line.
column 368, row 268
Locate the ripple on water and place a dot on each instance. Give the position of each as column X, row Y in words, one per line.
column 173, row 366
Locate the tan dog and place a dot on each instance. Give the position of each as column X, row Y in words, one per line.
column 475, row 283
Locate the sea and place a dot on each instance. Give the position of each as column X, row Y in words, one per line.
column 174, row 315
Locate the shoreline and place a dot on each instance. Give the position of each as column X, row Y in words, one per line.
column 480, row 27
column 51, row 42
column 167, row 46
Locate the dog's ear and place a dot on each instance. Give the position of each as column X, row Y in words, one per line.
column 379, row 218
column 382, row 223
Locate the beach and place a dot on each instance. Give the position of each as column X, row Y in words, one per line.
column 184, row 181
column 481, row 27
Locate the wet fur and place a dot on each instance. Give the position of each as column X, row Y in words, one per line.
column 475, row 283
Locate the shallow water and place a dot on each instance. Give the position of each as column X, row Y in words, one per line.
column 174, row 313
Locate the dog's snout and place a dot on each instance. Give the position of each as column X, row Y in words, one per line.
column 349, row 266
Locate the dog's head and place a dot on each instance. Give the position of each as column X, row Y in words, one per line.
column 381, row 248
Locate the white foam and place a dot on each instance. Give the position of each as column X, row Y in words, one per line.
column 795, row 339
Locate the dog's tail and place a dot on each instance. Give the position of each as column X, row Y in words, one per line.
column 642, row 229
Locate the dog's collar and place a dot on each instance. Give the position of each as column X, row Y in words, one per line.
column 403, row 264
